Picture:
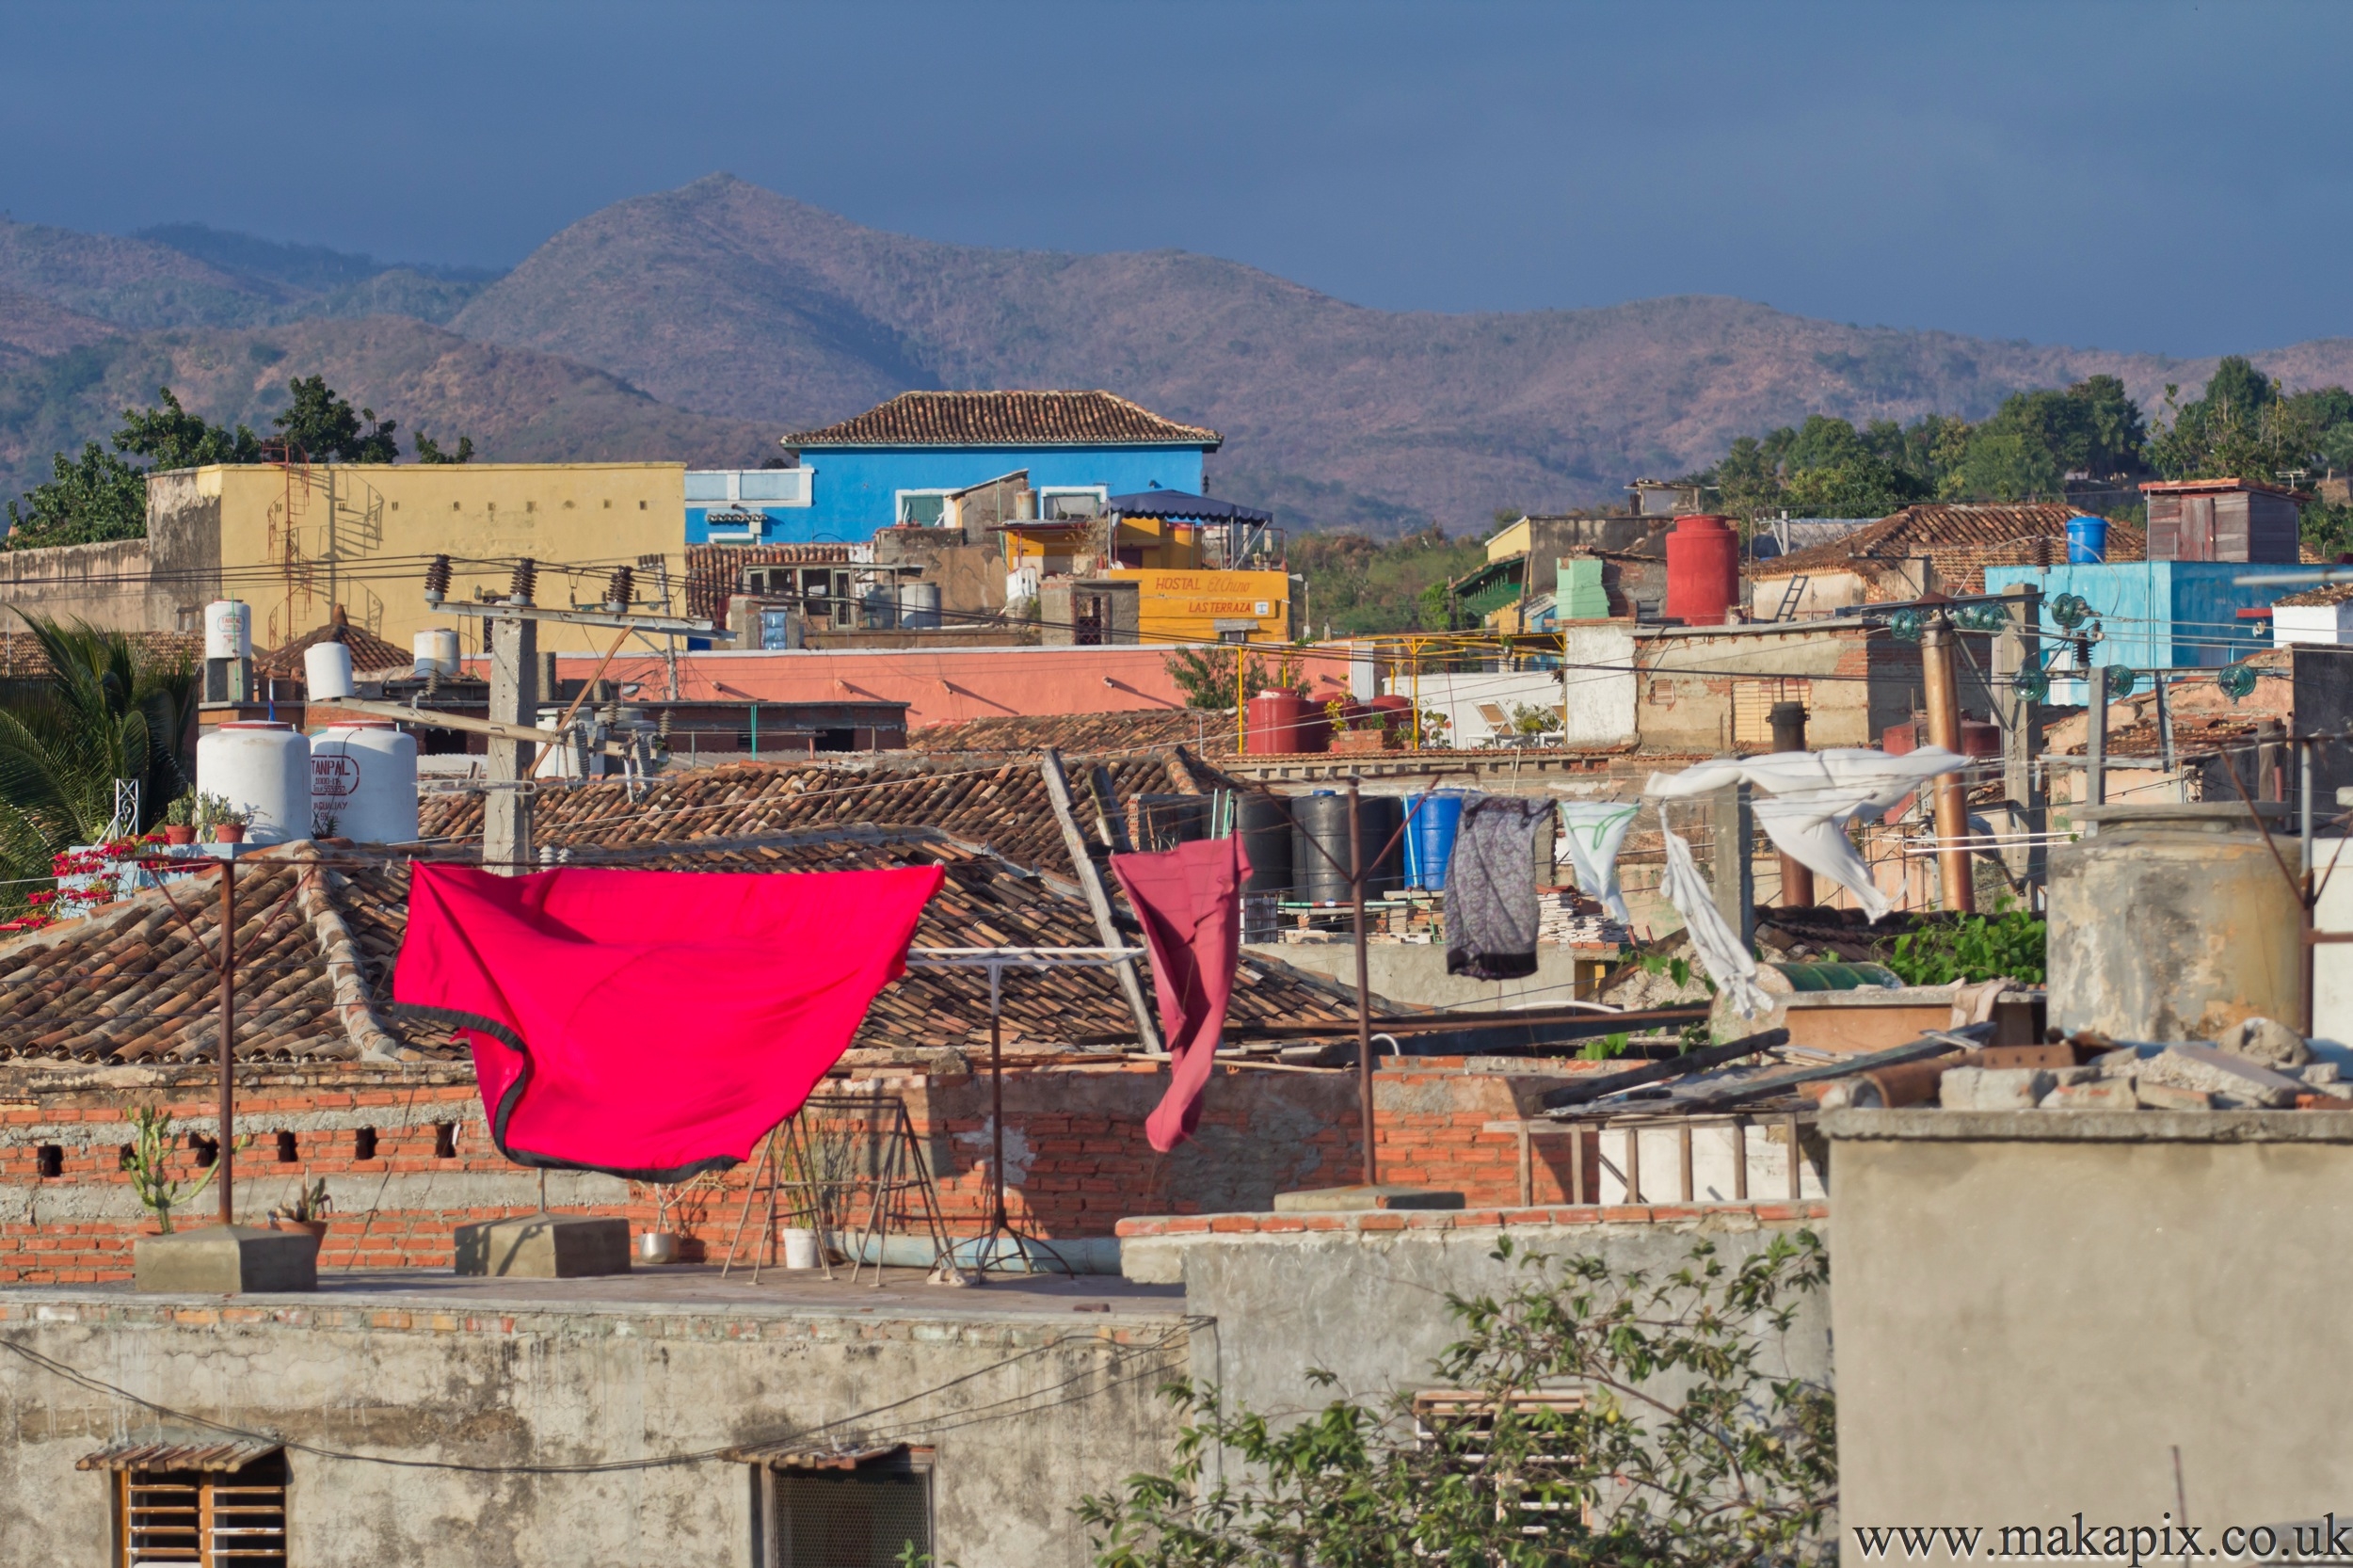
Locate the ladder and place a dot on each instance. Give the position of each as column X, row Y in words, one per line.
column 1791, row 596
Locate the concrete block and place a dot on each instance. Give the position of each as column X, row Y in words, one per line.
column 2320, row 1073
column 2221, row 1072
column 2097, row 1093
column 1342, row 1200
column 2268, row 1042
column 226, row 1260
column 2164, row 1096
column 1994, row 1088
column 544, row 1246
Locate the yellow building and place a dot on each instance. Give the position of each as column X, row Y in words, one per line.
column 296, row 540
column 1182, row 594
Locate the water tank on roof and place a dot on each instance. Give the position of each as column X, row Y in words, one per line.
column 2087, row 541
column 918, row 606
column 435, row 652
column 262, row 770
column 363, row 780
column 326, row 672
column 1703, row 570
column 229, row 629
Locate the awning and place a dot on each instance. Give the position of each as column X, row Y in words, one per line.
column 1184, row 507
column 799, row 1456
column 214, row 1455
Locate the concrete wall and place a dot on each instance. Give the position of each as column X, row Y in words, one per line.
column 2036, row 1311
column 2157, row 613
column 1413, row 973
column 1599, row 682
column 1457, row 694
column 103, row 584
column 1051, row 1407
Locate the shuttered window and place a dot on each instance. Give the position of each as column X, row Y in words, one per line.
column 1753, row 706
column 202, row 1518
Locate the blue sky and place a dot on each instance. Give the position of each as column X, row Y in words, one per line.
column 2170, row 178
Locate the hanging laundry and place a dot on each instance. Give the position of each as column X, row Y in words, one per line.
column 650, row 1024
column 1189, row 900
column 1717, row 946
column 1490, row 913
column 1595, row 830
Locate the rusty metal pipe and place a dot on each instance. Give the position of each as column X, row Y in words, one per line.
column 1797, row 878
column 1940, row 683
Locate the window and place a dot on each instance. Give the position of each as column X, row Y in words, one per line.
column 921, row 508
column 195, row 1518
column 1753, row 706
column 707, row 487
column 859, row 1510
column 1071, row 505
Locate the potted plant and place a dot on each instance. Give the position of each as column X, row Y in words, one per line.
column 149, row 1150
column 180, row 820
column 302, row 1214
column 226, row 823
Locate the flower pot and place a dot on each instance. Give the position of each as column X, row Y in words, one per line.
column 657, row 1246
column 315, row 1229
column 229, row 832
column 179, row 835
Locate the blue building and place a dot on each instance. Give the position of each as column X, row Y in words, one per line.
column 904, row 462
column 2153, row 614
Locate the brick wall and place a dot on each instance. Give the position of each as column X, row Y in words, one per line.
column 1076, row 1158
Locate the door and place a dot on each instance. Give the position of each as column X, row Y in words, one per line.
column 2195, row 540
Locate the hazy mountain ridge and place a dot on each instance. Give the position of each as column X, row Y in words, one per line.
column 719, row 308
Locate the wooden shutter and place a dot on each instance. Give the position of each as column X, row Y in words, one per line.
column 2194, row 540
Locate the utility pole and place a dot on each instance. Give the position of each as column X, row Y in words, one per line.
column 226, row 1152
column 506, row 839
column 1356, row 870
column 1797, row 877
column 1732, row 833
column 2095, row 790
column 2019, row 652
column 1941, row 686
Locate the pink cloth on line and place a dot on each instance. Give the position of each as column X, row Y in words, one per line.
column 651, row 1024
column 1190, row 902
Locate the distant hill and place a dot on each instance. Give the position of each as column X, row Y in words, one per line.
column 720, row 310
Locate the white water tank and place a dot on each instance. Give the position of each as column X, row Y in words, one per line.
column 326, row 671
column 918, row 606
column 228, row 629
column 363, row 778
column 262, row 770
column 435, row 652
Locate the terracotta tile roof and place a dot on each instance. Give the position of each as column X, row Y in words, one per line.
column 1203, row 732
column 130, row 983
column 2195, row 735
column 1961, row 541
column 714, row 571
column 21, row 657
column 368, row 650
column 1007, row 419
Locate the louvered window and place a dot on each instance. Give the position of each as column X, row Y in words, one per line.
column 202, row 1518
column 869, row 1507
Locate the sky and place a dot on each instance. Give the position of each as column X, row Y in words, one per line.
column 2166, row 178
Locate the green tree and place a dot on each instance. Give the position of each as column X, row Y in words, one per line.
column 430, row 451
column 105, row 712
column 1357, row 585
column 90, row 502
column 1688, row 1446
column 322, row 426
column 2241, row 428
column 170, row 437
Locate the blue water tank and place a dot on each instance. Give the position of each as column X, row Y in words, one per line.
column 2087, row 541
column 1430, row 839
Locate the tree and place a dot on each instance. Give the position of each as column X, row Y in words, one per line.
column 321, row 425
column 1687, row 1447
column 105, row 712
column 429, row 450
column 1205, row 675
column 2242, row 428
column 172, row 438
column 90, row 502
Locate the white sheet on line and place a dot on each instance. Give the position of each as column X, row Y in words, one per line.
column 1595, row 829
column 1717, row 945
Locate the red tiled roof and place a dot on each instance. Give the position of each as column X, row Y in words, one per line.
column 1197, row 727
column 1960, row 539
column 368, row 650
column 1007, row 419
column 21, row 656
column 714, row 571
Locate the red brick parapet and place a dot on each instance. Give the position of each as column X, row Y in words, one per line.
column 1155, row 1226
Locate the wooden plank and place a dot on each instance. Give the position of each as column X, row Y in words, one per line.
column 1098, row 901
column 1676, row 1066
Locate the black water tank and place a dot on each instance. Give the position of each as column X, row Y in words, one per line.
column 1320, row 847
column 1264, row 821
column 1378, row 817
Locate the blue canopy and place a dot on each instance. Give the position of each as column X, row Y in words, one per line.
column 1185, row 506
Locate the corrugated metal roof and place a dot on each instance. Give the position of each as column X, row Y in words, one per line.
column 1007, row 419
column 1960, row 540
column 212, row 1455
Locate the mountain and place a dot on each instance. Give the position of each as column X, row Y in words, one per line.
column 718, row 316
column 728, row 298
column 519, row 405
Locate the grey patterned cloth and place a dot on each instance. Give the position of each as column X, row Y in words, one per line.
column 1491, row 913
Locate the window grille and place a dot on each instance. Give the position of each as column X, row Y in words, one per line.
column 1443, row 1413
column 202, row 1518
column 859, row 1509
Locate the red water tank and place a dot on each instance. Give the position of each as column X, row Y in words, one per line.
column 1703, row 570
column 1282, row 722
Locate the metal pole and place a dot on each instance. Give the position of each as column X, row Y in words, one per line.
column 507, row 846
column 1797, row 878
column 226, row 1151
column 1241, row 703
column 997, row 1220
column 1356, row 868
column 1943, row 687
column 2304, row 808
column 2096, row 735
column 2019, row 652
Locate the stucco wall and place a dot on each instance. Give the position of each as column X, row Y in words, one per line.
column 103, row 584
column 855, row 492
column 2035, row 1310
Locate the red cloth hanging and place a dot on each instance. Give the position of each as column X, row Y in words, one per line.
column 651, row 1024
column 1189, row 900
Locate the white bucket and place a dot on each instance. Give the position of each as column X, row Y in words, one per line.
column 800, row 1246
column 326, row 671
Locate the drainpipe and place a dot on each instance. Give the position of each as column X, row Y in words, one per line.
column 1797, row 878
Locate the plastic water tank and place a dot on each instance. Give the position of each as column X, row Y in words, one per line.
column 918, row 606
column 326, row 672
column 1430, row 839
column 1703, row 570
column 1282, row 723
column 229, row 629
column 1264, row 822
column 363, row 778
column 1320, row 846
column 262, row 770
column 435, row 651
column 2087, row 541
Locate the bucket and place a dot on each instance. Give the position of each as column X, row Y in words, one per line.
column 1430, row 839
column 799, row 1245
column 2087, row 541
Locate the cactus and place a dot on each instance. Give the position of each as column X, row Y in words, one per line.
column 157, row 1193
